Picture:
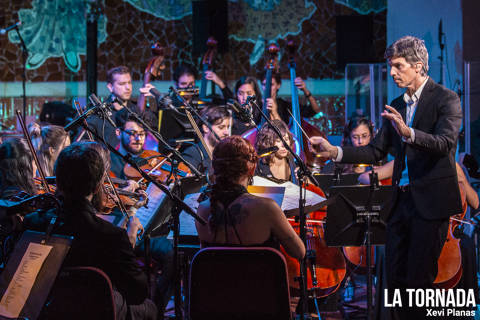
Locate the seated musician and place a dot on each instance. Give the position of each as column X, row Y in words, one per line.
column 220, row 120
column 17, row 169
column 246, row 87
column 358, row 132
column 80, row 172
column 119, row 83
column 278, row 166
column 48, row 141
column 235, row 217
column 132, row 135
column 278, row 107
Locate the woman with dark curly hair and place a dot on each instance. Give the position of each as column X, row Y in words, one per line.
column 278, row 166
column 235, row 217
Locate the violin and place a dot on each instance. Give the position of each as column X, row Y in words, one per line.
column 154, row 69
column 157, row 166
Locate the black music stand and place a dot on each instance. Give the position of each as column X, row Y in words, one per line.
column 357, row 217
column 47, row 274
column 329, row 180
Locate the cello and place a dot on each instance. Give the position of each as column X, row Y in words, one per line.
column 450, row 261
column 326, row 266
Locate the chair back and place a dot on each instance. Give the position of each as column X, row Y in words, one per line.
column 80, row 293
column 239, row 283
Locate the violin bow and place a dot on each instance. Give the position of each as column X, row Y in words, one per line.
column 198, row 132
column 32, row 150
column 109, row 180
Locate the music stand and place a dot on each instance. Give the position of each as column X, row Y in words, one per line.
column 329, row 180
column 46, row 276
column 357, row 217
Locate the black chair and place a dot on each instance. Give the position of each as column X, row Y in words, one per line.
column 80, row 293
column 239, row 283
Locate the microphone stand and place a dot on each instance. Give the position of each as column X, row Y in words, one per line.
column 24, row 72
column 189, row 107
column 178, row 206
column 302, row 174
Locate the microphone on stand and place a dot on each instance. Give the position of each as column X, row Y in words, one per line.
column 13, row 26
column 267, row 151
column 242, row 111
column 164, row 99
column 106, row 111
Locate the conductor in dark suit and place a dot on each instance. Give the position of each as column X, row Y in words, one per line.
column 420, row 128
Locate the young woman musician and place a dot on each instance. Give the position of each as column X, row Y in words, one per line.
column 278, row 166
column 17, row 168
column 246, row 87
column 48, row 141
column 236, row 217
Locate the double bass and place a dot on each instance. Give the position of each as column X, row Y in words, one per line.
column 206, row 63
column 154, row 69
column 251, row 135
column 299, row 126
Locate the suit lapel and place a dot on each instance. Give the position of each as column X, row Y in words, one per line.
column 423, row 102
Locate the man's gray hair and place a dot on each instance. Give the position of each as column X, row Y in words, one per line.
column 412, row 49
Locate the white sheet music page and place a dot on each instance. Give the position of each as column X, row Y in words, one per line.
column 290, row 199
column 23, row 280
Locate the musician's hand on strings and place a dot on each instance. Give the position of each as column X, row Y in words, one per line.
column 397, row 121
column 131, row 186
column 142, row 201
column 210, row 75
column 322, row 148
column 146, row 90
column 272, row 108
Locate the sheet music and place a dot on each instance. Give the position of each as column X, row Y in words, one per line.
column 187, row 222
column 23, row 280
column 290, row 199
column 155, row 199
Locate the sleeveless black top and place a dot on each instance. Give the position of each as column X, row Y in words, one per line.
column 221, row 215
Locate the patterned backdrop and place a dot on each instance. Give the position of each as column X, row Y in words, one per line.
column 55, row 34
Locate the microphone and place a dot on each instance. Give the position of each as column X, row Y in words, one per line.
column 267, row 151
column 251, row 99
column 164, row 100
column 13, row 26
column 106, row 113
column 242, row 112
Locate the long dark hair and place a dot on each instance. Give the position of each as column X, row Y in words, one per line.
column 16, row 166
column 256, row 88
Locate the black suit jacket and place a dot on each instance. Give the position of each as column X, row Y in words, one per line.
column 431, row 157
column 100, row 244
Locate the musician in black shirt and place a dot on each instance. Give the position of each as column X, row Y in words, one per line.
column 278, row 107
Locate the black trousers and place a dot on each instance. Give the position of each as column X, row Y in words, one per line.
column 412, row 249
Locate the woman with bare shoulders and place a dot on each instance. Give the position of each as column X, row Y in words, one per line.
column 235, row 217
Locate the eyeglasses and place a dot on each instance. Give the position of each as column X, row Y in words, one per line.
column 362, row 137
column 135, row 134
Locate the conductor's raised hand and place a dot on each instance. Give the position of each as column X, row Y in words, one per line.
column 397, row 121
column 322, row 148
